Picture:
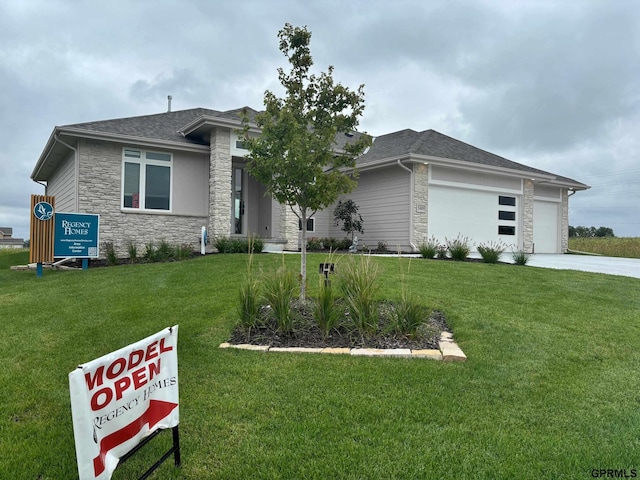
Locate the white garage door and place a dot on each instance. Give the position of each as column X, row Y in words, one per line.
column 472, row 213
column 545, row 227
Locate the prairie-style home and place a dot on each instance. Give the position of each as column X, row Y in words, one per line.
column 165, row 176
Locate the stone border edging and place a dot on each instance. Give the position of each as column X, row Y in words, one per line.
column 449, row 350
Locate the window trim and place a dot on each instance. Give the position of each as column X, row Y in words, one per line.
column 143, row 162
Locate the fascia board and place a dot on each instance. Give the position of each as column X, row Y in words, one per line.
column 206, row 120
column 45, row 153
column 130, row 139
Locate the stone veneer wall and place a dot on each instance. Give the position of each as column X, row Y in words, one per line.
column 420, row 203
column 527, row 216
column 100, row 170
column 220, row 168
column 289, row 230
column 564, row 234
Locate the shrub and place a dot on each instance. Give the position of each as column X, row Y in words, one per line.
column 408, row 315
column 359, row 284
column 222, row 244
column 491, row 251
column 110, row 249
column 442, row 252
column 458, row 248
column 255, row 244
column 163, row 252
column 149, row 252
column 520, row 257
column 314, row 244
column 182, row 252
column 382, row 246
column 132, row 249
column 279, row 290
column 428, row 248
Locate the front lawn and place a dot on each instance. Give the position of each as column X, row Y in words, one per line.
column 549, row 390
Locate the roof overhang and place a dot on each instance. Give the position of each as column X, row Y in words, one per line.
column 57, row 147
column 535, row 176
column 201, row 126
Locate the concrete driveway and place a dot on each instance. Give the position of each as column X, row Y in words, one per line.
column 626, row 267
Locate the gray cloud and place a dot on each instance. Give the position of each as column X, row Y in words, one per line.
column 549, row 84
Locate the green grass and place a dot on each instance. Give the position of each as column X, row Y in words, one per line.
column 550, row 388
column 611, row 247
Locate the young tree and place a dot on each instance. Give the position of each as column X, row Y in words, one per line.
column 347, row 213
column 296, row 156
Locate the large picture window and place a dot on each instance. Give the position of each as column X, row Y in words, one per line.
column 146, row 180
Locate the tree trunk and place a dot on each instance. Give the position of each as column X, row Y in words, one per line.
column 303, row 255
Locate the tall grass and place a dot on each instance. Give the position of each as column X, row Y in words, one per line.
column 611, row 247
column 359, row 284
column 279, row 290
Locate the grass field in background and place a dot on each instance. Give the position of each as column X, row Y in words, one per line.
column 612, row 247
column 549, row 390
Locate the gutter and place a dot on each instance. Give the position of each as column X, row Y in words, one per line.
column 404, row 167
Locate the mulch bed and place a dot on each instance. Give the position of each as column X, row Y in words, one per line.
column 307, row 334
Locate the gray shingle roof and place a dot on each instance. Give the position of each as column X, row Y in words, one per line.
column 434, row 144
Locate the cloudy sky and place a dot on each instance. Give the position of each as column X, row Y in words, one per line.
column 553, row 85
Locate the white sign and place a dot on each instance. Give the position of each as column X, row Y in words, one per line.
column 119, row 399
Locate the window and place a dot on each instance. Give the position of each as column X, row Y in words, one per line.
column 502, row 215
column 241, row 145
column 506, row 230
column 311, row 224
column 146, row 180
column 507, row 201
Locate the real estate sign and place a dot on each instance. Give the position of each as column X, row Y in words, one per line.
column 120, row 398
column 76, row 235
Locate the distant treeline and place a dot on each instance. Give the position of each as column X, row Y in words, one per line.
column 590, row 232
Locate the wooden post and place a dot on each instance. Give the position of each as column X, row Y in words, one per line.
column 41, row 230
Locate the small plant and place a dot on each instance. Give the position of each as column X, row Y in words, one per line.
column 346, row 212
column 442, row 253
column 520, row 257
column 132, row 250
column 360, row 285
column 279, row 290
column 150, row 252
column 182, row 252
column 326, row 310
column 408, row 315
column 254, row 244
column 491, row 251
column 249, row 299
column 382, row 246
column 458, row 248
column 429, row 248
column 222, row 244
column 314, row 244
column 110, row 249
column 164, row 251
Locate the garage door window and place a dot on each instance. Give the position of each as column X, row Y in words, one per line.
column 506, row 230
column 502, row 200
column 503, row 215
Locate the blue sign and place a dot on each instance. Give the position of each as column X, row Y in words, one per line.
column 43, row 211
column 76, row 235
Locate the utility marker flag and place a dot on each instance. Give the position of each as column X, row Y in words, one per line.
column 119, row 399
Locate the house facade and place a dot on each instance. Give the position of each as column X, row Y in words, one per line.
column 163, row 177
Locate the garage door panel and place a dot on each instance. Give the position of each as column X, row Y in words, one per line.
column 471, row 213
column 545, row 227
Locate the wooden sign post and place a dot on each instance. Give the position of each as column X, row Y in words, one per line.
column 41, row 232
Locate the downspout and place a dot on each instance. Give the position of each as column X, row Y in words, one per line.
column 411, row 194
column 76, row 166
